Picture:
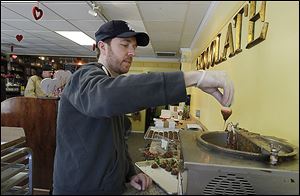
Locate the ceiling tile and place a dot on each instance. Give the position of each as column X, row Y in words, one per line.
column 165, row 36
column 49, row 35
column 115, row 2
column 196, row 11
column 148, row 52
column 203, row 3
column 163, row 2
column 186, row 40
column 4, row 26
column 87, row 25
column 79, row 10
column 121, row 11
column 58, row 25
column 164, row 46
column 24, row 24
column 164, row 26
column 8, row 14
column 163, row 12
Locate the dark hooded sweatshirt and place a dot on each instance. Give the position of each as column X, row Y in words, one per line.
column 91, row 154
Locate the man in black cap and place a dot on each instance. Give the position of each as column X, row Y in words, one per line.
column 91, row 155
column 33, row 87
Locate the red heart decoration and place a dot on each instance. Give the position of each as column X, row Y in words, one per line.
column 19, row 37
column 36, row 10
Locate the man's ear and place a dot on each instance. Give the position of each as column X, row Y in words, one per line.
column 101, row 45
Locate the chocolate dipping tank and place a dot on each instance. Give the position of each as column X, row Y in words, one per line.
column 237, row 161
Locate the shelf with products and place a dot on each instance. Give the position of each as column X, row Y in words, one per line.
column 16, row 73
column 16, row 78
column 21, row 69
column 25, row 66
column 13, row 85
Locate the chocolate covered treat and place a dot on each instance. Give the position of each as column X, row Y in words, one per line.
column 166, row 134
column 170, row 135
column 154, row 165
column 150, row 134
column 174, row 171
column 175, row 135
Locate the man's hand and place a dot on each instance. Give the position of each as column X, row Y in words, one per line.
column 140, row 181
column 210, row 83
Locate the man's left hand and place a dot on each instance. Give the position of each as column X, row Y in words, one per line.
column 141, row 181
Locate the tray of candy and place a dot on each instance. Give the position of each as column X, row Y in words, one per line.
column 163, row 172
column 155, row 151
column 154, row 133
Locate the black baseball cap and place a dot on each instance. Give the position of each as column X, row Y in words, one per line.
column 120, row 28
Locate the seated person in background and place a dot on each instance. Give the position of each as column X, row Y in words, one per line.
column 33, row 87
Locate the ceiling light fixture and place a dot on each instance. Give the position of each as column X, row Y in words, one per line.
column 78, row 37
column 93, row 13
column 96, row 11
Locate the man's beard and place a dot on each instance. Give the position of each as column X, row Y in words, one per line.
column 114, row 63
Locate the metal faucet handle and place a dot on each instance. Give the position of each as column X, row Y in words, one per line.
column 231, row 127
column 275, row 148
column 274, row 153
column 236, row 125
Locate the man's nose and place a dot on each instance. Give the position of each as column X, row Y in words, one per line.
column 131, row 52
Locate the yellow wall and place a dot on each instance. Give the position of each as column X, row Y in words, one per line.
column 144, row 67
column 266, row 76
column 138, row 125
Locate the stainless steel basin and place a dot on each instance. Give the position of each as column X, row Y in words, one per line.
column 247, row 145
